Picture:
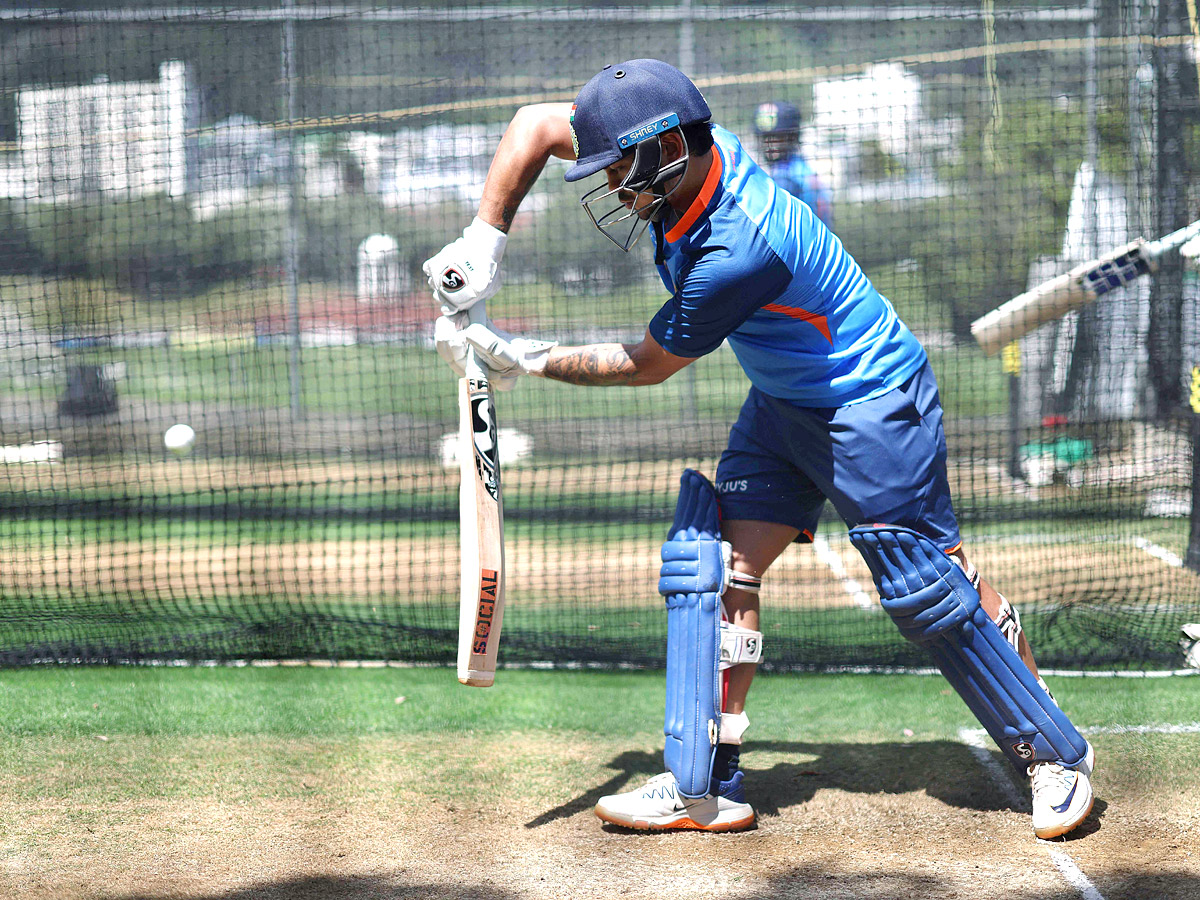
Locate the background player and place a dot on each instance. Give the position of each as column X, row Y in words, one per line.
column 842, row 405
column 777, row 126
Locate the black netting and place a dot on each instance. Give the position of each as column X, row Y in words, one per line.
column 216, row 215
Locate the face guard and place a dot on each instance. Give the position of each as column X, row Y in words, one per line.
column 647, row 177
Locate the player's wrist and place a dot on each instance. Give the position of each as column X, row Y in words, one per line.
column 487, row 238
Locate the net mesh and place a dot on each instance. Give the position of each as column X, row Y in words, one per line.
column 216, row 216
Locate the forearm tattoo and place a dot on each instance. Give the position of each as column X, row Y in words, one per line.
column 508, row 211
column 596, row 364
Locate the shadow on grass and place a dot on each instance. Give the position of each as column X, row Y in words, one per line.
column 945, row 770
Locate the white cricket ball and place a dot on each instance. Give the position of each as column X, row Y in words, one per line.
column 179, row 439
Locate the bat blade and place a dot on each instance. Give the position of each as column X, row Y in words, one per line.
column 1027, row 311
column 1069, row 291
column 1060, row 295
column 481, row 523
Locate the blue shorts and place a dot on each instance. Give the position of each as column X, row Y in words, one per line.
column 882, row 460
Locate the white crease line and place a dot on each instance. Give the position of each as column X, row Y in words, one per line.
column 833, row 562
column 1188, row 728
column 977, row 742
column 1067, row 868
column 1158, row 552
column 1150, row 673
column 1056, row 673
column 977, row 737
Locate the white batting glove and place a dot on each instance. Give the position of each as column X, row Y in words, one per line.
column 506, row 355
column 467, row 270
column 451, row 343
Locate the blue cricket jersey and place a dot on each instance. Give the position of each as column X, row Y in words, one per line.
column 801, row 180
column 750, row 263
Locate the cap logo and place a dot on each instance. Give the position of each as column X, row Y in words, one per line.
column 647, row 131
column 767, row 117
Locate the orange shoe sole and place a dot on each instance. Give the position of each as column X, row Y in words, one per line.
column 684, row 824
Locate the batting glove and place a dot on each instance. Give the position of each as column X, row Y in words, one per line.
column 450, row 340
column 467, row 270
column 507, row 355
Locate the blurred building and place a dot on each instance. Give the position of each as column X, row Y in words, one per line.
column 112, row 140
column 870, row 138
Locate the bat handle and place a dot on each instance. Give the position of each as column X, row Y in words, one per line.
column 1173, row 240
column 476, row 315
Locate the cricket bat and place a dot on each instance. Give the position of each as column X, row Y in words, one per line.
column 481, row 521
column 1073, row 289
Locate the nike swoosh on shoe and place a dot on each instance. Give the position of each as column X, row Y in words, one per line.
column 1062, row 807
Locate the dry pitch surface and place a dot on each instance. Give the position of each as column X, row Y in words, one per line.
column 853, row 821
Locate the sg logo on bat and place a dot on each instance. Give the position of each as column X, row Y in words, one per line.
column 483, row 435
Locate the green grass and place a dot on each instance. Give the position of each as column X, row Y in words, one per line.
column 119, row 738
column 381, row 380
column 317, row 702
column 524, row 521
column 404, row 380
column 94, row 305
column 48, row 532
column 107, row 736
column 45, row 533
column 150, row 511
column 107, row 767
column 411, row 381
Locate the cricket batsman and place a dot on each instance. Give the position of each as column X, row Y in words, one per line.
column 842, row 406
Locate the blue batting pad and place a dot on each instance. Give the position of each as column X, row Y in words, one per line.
column 691, row 580
column 934, row 604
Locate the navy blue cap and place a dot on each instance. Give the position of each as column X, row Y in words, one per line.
column 775, row 117
column 625, row 104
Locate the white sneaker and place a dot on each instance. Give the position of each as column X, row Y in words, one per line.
column 657, row 806
column 1062, row 797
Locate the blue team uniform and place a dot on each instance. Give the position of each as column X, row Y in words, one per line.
column 801, row 180
column 843, row 404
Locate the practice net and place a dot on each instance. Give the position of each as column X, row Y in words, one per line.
column 216, row 215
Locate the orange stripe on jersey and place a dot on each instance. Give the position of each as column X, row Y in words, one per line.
column 701, row 202
column 819, row 322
